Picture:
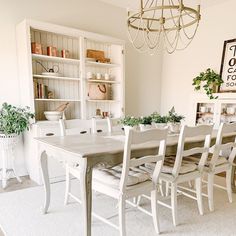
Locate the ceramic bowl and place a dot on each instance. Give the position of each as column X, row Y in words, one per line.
column 53, row 115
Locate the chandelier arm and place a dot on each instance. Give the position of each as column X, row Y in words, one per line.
column 173, row 48
column 154, row 14
column 133, row 40
column 190, row 41
column 166, row 38
column 187, row 36
column 171, row 12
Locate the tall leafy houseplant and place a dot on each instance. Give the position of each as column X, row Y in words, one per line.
column 14, row 120
column 209, row 80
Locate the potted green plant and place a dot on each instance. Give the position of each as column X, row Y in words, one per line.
column 129, row 122
column 209, row 81
column 145, row 123
column 174, row 121
column 13, row 121
column 159, row 121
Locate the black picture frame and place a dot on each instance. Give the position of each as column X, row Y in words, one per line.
column 223, row 67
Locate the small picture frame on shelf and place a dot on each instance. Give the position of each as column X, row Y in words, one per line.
column 228, row 66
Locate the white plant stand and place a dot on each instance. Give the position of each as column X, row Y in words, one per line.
column 7, row 147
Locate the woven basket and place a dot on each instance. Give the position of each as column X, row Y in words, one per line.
column 8, row 141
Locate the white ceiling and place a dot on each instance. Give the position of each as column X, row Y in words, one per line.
column 133, row 4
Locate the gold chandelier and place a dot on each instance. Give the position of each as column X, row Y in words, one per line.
column 163, row 21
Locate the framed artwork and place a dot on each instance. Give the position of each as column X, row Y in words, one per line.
column 228, row 66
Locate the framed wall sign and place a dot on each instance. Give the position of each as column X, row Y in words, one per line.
column 228, row 66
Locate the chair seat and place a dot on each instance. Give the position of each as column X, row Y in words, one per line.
column 111, row 176
column 168, row 166
column 220, row 160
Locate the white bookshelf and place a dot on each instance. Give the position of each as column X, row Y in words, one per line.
column 70, row 86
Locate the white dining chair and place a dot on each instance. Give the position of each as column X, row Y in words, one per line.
column 127, row 181
column 72, row 127
column 221, row 160
column 107, row 125
column 176, row 170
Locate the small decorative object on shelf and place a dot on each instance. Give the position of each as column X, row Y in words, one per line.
column 36, row 48
column 58, row 113
column 50, row 95
column 52, row 51
column 98, row 55
column 99, row 91
column 210, row 81
column 174, row 121
column 53, row 71
column 13, row 122
column 65, row 53
column 98, row 112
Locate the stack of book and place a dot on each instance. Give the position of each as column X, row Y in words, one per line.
column 40, row 90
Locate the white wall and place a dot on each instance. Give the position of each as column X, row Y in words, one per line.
column 142, row 72
column 179, row 69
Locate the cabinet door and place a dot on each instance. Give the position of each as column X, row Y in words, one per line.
column 227, row 111
column 206, row 112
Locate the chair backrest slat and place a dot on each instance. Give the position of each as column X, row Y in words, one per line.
column 203, row 131
column 220, row 148
column 141, row 138
column 72, row 127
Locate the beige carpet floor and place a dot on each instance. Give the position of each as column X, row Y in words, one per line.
column 21, row 216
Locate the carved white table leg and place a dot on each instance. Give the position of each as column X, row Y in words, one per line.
column 86, row 195
column 46, row 183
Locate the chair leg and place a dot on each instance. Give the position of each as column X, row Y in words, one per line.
column 161, row 188
column 198, row 183
column 228, row 184
column 155, row 211
column 210, row 191
column 68, row 185
column 167, row 189
column 122, row 216
column 174, row 202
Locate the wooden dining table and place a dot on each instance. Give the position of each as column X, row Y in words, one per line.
column 90, row 150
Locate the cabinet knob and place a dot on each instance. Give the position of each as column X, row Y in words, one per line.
column 50, row 134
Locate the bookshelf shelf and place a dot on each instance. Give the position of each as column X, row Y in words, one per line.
column 57, row 100
column 55, row 59
column 55, row 77
column 99, row 64
column 103, row 101
column 102, row 81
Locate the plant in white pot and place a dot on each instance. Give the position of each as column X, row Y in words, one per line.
column 174, row 121
column 159, row 121
column 129, row 122
column 13, row 121
column 145, row 123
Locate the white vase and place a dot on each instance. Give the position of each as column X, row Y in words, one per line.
column 160, row 125
column 145, row 127
column 174, row 127
column 127, row 128
column 8, row 141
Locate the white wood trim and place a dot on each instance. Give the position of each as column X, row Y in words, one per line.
column 55, row 77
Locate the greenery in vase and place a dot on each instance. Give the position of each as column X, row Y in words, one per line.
column 14, row 120
column 158, row 119
column 129, row 121
column 146, row 120
column 174, row 117
column 210, row 79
